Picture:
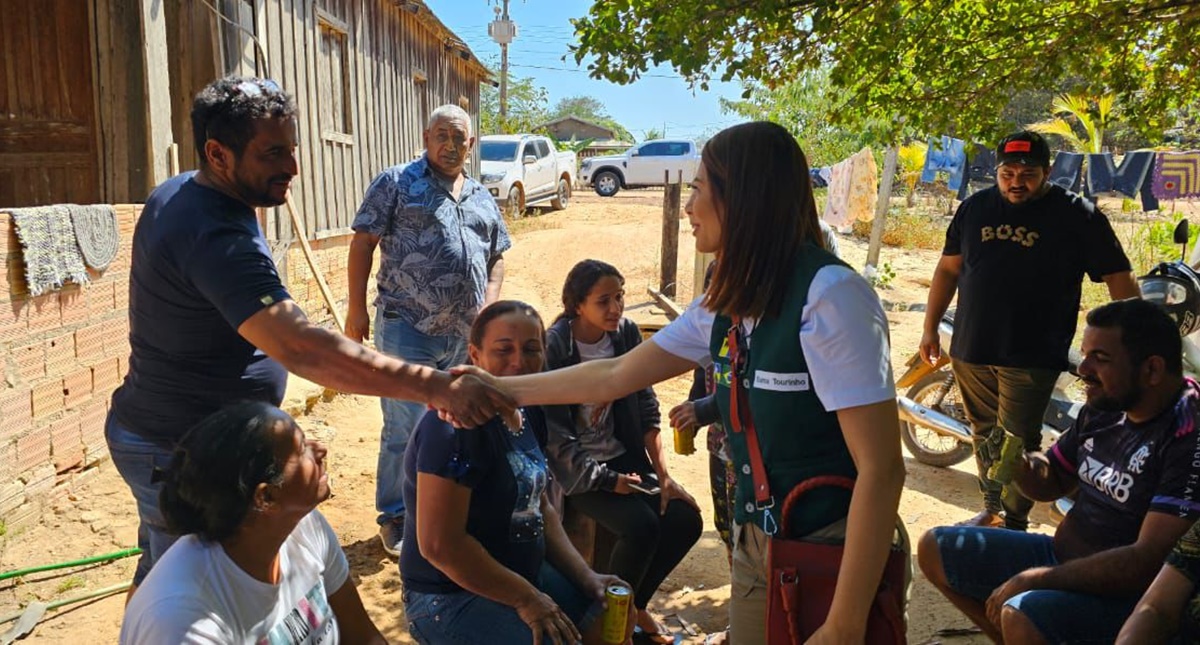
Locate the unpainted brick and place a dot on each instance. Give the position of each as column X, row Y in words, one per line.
column 121, row 294
column 60, row 355
column 89, row 343
column 12, row 495
column 39, row 482
column 14, row 320
column 33, row 449
column 8, row 460
column 24, row 516
column 16, row 412
column 43, row 312
column 106, row 376
column 101, row 301
column 29, row 361
column 47, row 397
column 77, row 387
column 8, row 235
column 73, row 305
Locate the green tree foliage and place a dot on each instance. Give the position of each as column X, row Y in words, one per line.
column 806, row 107
column 933, row 66
column 1092, row 115
column 591, row 109
column 527, row 107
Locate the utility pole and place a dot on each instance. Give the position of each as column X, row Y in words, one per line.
column 503, row 31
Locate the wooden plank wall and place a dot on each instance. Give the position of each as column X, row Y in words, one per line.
column 388, row 107
column 48, row 139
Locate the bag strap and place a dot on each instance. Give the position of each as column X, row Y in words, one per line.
column 838, row 481
column 743, row 421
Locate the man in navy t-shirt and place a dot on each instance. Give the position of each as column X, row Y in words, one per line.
column 210, row 320
column 1016, row 254
column 1133, row 454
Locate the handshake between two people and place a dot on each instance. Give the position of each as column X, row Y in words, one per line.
column 474, row 397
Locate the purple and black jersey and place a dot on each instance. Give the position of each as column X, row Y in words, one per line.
column 1127, row 469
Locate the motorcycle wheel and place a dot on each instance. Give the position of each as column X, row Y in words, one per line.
column 927, row 446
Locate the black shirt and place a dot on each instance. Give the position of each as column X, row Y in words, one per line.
column 200, row 268
column 1127, row 469
column 506, row 474
column 1022, row 270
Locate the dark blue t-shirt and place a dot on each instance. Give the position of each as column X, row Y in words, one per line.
column 1127, row 469
column 1022, row 270
column 506, row 474
column 200, row 268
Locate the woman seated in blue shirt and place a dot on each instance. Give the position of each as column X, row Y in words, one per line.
column 487, row 557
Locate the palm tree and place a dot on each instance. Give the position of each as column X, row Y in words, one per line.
column 1093, row 114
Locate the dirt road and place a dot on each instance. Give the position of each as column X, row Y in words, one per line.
column 625, row 231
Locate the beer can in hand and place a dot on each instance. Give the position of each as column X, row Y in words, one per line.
column 685, row 441
column 616, row 614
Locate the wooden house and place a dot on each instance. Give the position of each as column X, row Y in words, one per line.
column 95, row 95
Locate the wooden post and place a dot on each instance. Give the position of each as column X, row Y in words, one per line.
column 698, row 271
column 157, row 90
column 670, row 233
column 881, row 207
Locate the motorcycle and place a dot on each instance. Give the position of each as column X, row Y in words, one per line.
column 933, row 422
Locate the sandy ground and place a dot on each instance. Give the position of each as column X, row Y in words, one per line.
column 625, row 231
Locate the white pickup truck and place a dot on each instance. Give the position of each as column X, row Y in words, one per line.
column 521, row 170
column 642, row 165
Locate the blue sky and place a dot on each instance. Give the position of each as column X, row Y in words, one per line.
column 546, row 32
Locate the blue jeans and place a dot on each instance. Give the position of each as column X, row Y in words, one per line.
column 463, row 617
column 978, row 560
column 397, row 338
column 136, row 458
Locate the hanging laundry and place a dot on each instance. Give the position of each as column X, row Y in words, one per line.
column 1065, row 171
column 945, row 155
column 51, row 255
column 1129, row 179
column 837, row 201
column 864, row 186
column 980, row 169
column 817, row 180
column 1177, row 175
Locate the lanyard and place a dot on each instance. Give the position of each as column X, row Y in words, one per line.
column 742, row 419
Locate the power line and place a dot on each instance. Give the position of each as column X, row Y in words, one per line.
column 584, row 71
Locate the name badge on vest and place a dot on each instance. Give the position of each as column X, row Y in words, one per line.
column 777, row 382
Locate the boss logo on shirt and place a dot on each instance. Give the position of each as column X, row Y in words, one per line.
column 1005, row 232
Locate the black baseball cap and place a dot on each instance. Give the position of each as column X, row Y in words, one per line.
column 1025, row 147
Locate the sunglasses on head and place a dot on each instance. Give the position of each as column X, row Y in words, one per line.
column 253, row 89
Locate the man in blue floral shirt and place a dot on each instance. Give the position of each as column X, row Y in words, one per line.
column 441, row 240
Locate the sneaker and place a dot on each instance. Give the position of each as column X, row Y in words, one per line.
column 391, row 534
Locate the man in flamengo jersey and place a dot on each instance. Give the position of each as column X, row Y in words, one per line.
column 1017, row 253
column 1133, row 454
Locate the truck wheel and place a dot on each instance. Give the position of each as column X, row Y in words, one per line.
column 563, row 196
column 607, row 183
column 927, row 446
column 515, row 209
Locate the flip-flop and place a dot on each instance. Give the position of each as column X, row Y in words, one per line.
column 711, row 639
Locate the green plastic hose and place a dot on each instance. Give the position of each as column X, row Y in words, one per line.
column 108, row 557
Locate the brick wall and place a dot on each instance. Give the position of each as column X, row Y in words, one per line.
column 63, row 353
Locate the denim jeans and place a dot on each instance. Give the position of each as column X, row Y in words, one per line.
column 463, row 617
column 136, row 458
column 977, row 560
column 397, row 338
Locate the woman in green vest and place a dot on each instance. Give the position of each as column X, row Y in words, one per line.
column 811, row 341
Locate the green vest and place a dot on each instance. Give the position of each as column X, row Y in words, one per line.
column 798, row 436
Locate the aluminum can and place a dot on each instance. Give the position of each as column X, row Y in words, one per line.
column 616, row 615
column 685, row 441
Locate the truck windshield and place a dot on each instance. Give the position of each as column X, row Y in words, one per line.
column 498, row 150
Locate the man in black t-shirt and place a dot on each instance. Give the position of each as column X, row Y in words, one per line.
column 1133, row 454
column 1017, row 253
column 210, row 322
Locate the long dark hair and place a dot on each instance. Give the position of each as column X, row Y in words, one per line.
column 209, row 487
column 759, row 178
column 494, row 311
column 580, row 280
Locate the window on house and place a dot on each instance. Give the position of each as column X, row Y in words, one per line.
column 333, row 76
column 237, row 45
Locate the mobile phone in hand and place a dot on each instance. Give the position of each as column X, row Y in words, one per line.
column 643, row 489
